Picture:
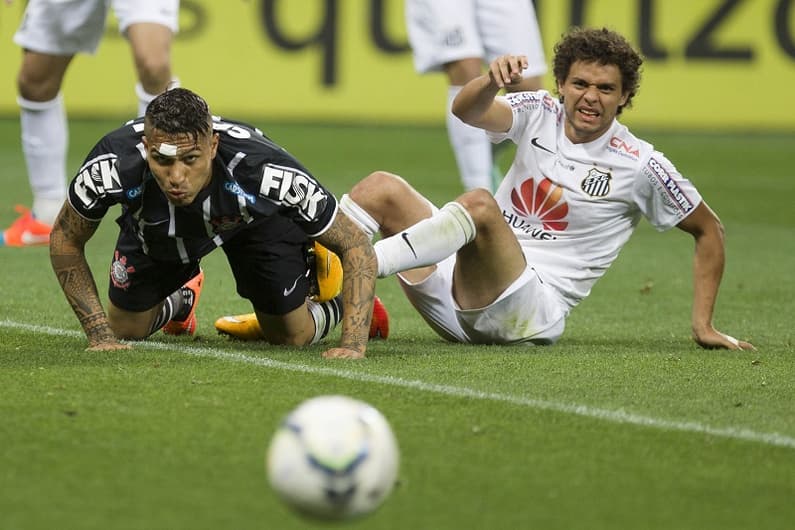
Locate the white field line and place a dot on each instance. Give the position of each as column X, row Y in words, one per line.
column 614, row 415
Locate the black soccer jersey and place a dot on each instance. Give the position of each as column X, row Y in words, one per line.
column 253, row 178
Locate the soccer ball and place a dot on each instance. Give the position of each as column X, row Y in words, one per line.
column 333, row 457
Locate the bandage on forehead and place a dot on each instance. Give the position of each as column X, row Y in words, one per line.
column 167, row 149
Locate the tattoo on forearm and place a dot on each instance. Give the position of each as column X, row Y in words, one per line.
column 74, row 284
column 68, row 261
column 359, row 263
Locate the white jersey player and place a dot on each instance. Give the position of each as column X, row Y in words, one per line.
column 460, row 37
column 508, row 268
column 573, row 206
column 50, row 34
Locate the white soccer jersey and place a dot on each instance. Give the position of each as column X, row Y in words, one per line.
column 573, row 206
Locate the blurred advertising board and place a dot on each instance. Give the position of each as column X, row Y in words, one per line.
column 709, row 63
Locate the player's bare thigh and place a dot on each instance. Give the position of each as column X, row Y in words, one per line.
column 151, row 49
column 131, row 325
column 462, row 71
column 395, row 206
column 492, row 261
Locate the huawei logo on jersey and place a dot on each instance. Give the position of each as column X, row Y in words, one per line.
column 543, row 202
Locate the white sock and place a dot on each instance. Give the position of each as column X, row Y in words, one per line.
column 427, row 242
column 46, row 210
column 144, row 97
column 359, row 216
column 326, row 315
column 45, row 137
column 471, row 147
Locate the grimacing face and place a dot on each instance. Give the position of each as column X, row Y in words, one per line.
column 592, row 94
column 182, row 167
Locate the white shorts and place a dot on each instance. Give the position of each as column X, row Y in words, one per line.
column 66, row 27
column 441, row 31
column 528, row 311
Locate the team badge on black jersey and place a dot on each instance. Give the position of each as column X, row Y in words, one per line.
column 596, row 183
column 120, row 271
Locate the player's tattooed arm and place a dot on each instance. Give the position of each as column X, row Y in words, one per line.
column 359, row 267
column 69, row 235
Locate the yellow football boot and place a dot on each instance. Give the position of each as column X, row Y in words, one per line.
column 243, row 327
column 328, row 273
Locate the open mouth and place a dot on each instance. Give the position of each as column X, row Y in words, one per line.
column 588, row 114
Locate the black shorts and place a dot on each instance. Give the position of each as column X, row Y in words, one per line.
column 268, row 259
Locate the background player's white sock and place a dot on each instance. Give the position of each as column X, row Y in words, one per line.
column 326, row 315
column 471, row 147
column 44, row 141
column 358, row 215
column 144, row 97
column 427, row 242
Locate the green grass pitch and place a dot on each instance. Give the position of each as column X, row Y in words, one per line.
column 624, row 424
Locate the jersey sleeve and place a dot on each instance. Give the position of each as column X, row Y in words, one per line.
column 525, row 107
column 663, row 195
column 300, row 196
column 96, row 186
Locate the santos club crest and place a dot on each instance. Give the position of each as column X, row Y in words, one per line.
column 596, row 183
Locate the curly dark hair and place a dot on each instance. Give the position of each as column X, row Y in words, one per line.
column 603, row 46
column 180, row 111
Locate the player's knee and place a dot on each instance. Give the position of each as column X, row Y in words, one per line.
column 378, row 188
column 154, row 74
column 481, row 206
column 37, row 88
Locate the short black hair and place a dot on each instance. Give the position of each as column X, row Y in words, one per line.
column 179, row 111
column 602, row 46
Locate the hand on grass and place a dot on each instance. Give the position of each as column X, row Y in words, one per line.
column 712, row 339
column 343, row 353
column 109, row 345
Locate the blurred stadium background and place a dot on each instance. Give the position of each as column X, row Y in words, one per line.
column 348, row 61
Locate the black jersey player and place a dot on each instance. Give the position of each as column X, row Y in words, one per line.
column 188, row 183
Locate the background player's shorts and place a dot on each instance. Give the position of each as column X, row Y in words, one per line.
column 526, row 312
column 66, row 27
column 441, row 31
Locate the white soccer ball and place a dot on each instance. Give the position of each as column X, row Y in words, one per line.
column 333, row 457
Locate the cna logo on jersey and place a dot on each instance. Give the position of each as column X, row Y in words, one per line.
column 538, row 204
column 290, row 186
column 619, row 147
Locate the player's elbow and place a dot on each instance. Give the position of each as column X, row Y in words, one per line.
column 464, row 112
